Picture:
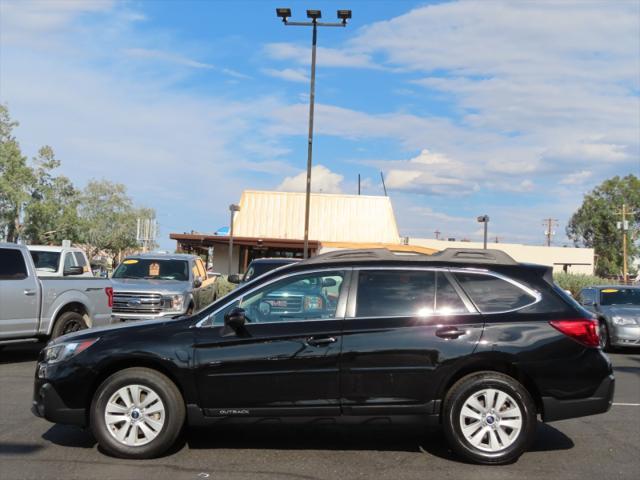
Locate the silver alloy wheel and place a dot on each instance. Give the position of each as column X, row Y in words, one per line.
column 490, row 420
column 134, row 415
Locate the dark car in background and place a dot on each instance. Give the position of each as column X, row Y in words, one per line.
column 259, row 267
column 469, row 340
column 617, row 308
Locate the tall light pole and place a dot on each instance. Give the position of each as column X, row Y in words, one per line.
column 314, row 15
column 233, row 208
column 484, row 219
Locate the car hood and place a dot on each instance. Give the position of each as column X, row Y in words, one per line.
column 621, row 310
column 142, row 285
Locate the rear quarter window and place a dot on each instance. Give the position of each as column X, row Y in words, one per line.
column 492, row 294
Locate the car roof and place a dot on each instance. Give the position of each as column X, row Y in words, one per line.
column 465, row 256
column 52, row 248
column 275, row 260
column 162, row 256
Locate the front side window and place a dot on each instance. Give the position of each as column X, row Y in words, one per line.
column 12, row 266
column 309, row 296
column 492, row 294
column 156, row 269
column 588, row 296
column 68, row 260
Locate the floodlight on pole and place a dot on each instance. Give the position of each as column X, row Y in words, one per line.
column 314, row 15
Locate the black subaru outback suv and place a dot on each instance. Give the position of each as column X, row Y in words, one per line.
column 467, row 339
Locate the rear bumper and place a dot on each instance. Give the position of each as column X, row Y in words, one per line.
column 48, row 404
column 599, row 402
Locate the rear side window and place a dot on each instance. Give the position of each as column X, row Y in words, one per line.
column 406, row 293
column 492, row 294
column 12, row 265
column 395, row 293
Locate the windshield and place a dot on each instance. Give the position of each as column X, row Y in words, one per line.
column 155, row 269
column 620, row 296
column 46, row 261
column 259, row 268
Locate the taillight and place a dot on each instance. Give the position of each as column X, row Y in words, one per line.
column 583, row 330
column 109, row 292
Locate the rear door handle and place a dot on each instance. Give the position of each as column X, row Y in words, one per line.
column 29, row 293
column 322, row 341
column 449, row 332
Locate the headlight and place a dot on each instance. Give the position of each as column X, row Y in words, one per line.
column 173, row 303
column 617, row 320
column 65, row 350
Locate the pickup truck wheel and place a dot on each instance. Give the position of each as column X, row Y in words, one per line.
column 137, row 413
column 489, row 418
column 68, row 322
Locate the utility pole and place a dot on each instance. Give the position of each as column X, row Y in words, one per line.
column 550, row 223
column 485, row 220
column 437, row 234
column 358, row 184
column 314, row 15
column 383, row 185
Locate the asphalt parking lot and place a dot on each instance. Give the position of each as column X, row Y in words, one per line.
column 599, row 447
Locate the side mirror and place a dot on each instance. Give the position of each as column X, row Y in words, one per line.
column 235, row 278
column 197, row 282
column 329, row 282
column 235, row 319
column 73, row 271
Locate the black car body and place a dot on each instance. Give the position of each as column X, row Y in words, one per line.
column 355, row 336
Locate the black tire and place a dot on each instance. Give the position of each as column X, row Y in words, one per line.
column 605, row 339
column 170, row 397
column 451, row 417
column 68, row 322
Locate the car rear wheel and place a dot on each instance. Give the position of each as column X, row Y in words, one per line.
column 137, row 413
column 489, row 418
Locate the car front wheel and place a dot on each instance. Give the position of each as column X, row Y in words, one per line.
column 489, row 418
column 137, row 413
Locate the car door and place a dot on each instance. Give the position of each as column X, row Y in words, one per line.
column 403, row 327
column 19, row 298
column 286, row 359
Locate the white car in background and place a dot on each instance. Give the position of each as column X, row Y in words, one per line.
column 52, row 261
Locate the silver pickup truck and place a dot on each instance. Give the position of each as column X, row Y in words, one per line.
column 33, row 308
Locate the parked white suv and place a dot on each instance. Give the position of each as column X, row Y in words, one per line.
column 52, row 261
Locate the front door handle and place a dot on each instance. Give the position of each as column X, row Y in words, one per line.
column 322, row 341
column 449, row 332
column 29, row 293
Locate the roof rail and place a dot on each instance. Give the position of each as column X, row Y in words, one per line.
column 474, row 255
column 454, row 255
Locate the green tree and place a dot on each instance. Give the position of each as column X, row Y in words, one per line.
column 108, row 217
column 594, row 224
column 16, row 179
column 51, row 213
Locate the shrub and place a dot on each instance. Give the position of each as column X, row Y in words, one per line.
column 574, row 282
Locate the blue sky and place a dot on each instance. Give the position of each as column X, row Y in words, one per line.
column 513, row 109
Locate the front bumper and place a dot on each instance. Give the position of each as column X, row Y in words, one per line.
column 599, row 402
column 117, row 317
column 625, row 335
column 48, row 404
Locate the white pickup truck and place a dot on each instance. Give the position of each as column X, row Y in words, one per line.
column 33, row 309
column 52, row 261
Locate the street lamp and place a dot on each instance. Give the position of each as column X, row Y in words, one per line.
column 314, row 15
column 484, row 219
column 233, row 208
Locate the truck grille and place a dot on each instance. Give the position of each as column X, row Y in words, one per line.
column 136, row 302
column 284, row 304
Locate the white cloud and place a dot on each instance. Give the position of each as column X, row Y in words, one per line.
column 327, row 57
column 166, row 57
column 576, row 178
column 289, row 74
column 322, row 180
